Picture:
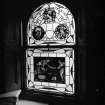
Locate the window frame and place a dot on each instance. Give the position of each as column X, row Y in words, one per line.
column 77, row 49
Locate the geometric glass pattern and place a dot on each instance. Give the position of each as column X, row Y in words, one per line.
column 51, row 24
column 50, row 70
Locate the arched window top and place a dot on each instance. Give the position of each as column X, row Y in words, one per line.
column 51, row 24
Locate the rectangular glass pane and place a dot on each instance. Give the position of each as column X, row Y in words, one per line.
column 50, row 70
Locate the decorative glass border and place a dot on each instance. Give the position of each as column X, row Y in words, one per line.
column 63, row 16
column 69, row 86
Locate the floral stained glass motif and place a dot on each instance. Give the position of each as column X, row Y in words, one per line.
column 50, row 70
column 51, row 24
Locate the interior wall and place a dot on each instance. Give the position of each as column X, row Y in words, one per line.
column 11, row 56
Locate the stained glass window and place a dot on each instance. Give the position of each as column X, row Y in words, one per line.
column 52, row 24
column 51, row 69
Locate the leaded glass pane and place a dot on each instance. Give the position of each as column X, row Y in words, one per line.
column 50, row 70
column 51, row 24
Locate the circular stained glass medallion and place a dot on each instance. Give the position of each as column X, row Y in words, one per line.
column 38, row 33
column 61, row 31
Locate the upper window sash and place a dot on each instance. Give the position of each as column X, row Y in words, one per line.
column 51, row 24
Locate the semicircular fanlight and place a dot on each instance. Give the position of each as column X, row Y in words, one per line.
column 51, row 23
